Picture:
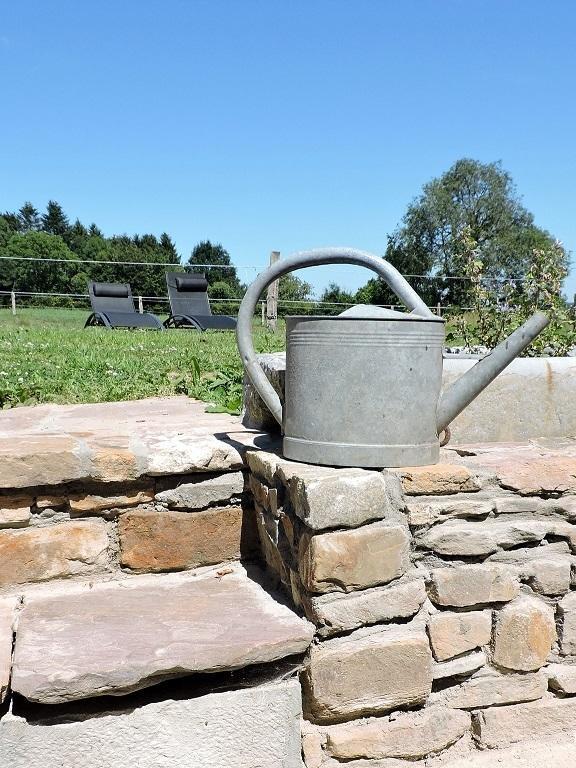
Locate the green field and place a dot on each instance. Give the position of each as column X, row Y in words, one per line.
column 47, row 357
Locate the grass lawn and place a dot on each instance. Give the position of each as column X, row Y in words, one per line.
column 47, row 357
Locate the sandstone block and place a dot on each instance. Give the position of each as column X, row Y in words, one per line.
column 345, row 499
column 546, row 568
column 204, row 493
column 48, row 501
column 15, row 511
column 7, row 618
column 249, row 728
column 523, row 722
column 463, row 665
column 456, row 538
column 58, row 551
column 561, row 678
column 264, row 496
column 454, row 633
column 438, row 510
column 184, row 454
column 524, row 633
column 538, row 475
column 487, row 688
column 167, row 541
column 438, row 479
column 567, row 614
column 33, row 460
column 113, row 460
column 408, row 735
column 269, row 549
column 353, row 559
column 368, row 672
column 119, row 637
column 468, row 585
column 263, row 464
column 85, row 503
column 336, row 612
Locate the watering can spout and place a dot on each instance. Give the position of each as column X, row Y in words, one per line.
column 469, row 386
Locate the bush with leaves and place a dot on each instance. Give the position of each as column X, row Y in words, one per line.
column 499, row 308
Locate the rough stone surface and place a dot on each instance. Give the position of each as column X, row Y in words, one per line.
column 537, row 468
column 15, row 511
column 264, row 496
column 166, row 541
column 463, row 665
column 368, row 672
column 255, row 414
column 524, row 633
column 405, row 735
column 433, row 511
column 438, row 479
column 120, row 637
column 547, row 568
column 454, row 633
column 58, row 551
column 487, row 688
column 562, row 678
column 335, row 612
column 508, row 725
column 353, row 559
column 345, row 499
column 204, row 493
column 567, row 613
column 467, row 585
column 7, row 617
column 464, row 539
column 250, row 728
column 83, row 503
column 117, row 442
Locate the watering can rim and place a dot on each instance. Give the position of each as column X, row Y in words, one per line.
column 402, row 317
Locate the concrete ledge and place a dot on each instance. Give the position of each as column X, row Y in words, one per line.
column 534, row 397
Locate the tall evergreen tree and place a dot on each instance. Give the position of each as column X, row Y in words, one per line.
column 169, row 249
column 29, row 218
column 55, row 221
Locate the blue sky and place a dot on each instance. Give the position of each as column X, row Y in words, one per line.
column 282, row 124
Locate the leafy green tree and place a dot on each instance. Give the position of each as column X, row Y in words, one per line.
column 473, row 197
column 12, row 220
column 208, row 253
column 29, row 218
column 55, row 221
column 39, row 274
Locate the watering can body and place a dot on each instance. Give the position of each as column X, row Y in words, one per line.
column 363, row 389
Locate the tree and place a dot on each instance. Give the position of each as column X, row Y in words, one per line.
column 55, row 221
column 169, row 249
column 34, row 275
column 207, row 253
column 478, row 199
column 28, row 218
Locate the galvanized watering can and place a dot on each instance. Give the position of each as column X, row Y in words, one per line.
column 363, row 388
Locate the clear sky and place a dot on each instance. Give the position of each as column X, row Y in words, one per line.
column 282, row 124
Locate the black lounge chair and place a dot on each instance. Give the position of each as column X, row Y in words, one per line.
column 189, row 305
column 113, row 307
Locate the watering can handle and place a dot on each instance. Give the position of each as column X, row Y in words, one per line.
column 383, row 269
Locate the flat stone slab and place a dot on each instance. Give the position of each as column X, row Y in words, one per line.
column 117, row 442
column 123, row 636
column 251, row 728
column 7, row 619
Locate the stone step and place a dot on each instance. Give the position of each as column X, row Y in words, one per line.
column 119, row 637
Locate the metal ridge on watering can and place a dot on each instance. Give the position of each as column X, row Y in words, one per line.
column 363, row 388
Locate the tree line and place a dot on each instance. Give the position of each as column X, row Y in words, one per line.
column 472, row 203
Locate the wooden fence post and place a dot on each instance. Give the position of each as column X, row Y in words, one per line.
column 140, row 305
column 272, row 297
column 13, row 301
column 263, row 313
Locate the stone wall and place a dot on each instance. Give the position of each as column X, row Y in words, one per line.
column 206, row 602
column 442, row 597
